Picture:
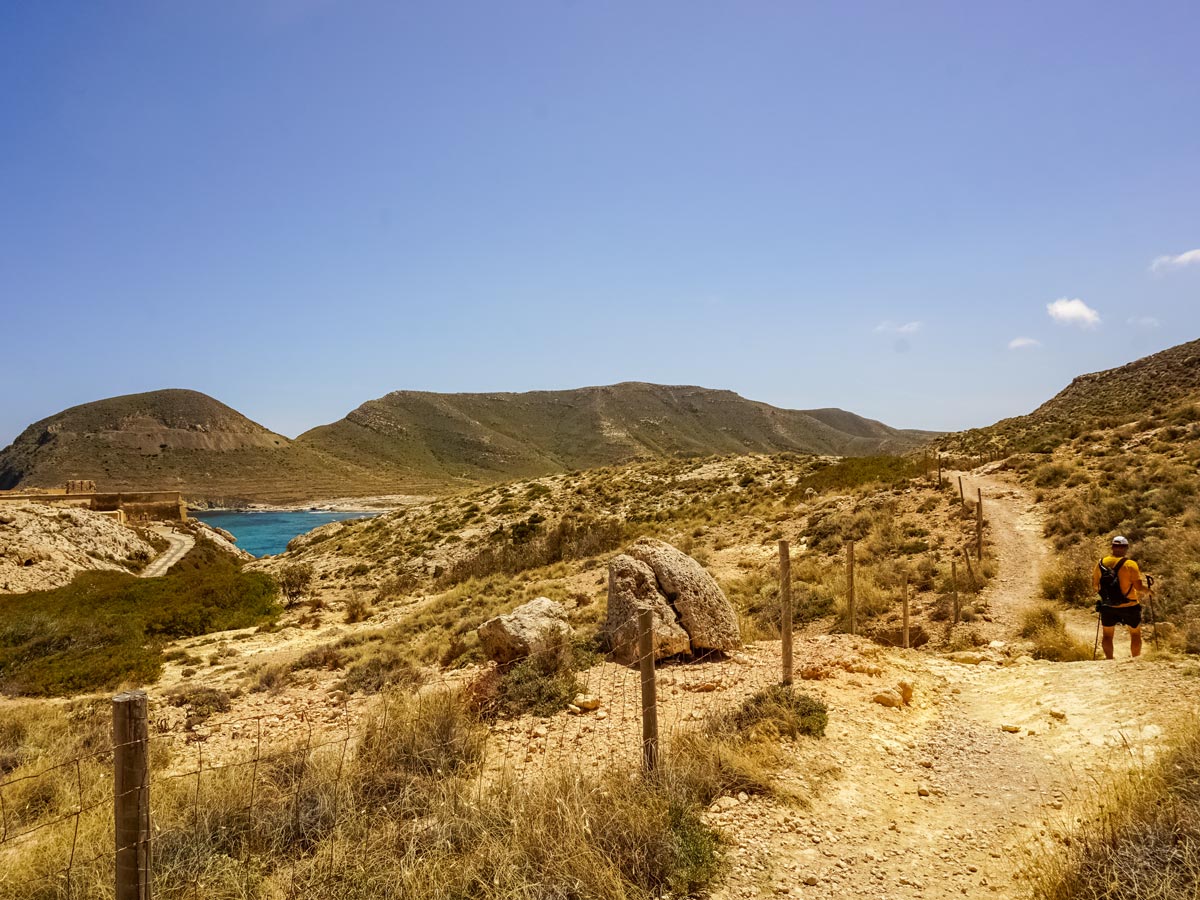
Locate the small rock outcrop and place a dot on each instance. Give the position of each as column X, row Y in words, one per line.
column 690, row 612
column 529, row 629
column 632, row 587
column 44, row 547
column 704, row 611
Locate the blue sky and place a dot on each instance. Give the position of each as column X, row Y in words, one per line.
column 298, row 206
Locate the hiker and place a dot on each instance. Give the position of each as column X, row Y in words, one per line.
column 1118, row 581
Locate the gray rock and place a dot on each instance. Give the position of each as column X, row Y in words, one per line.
column 631, row 588
column 529, row 629
column 704, row 611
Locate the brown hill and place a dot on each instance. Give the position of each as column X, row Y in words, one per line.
column 412, row 442
column 169, row 440
column 490, row 437
column 1113, row 397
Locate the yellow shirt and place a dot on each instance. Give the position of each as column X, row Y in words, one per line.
column 1129, row 578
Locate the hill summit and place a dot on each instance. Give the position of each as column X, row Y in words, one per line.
column 131, row 442
column 415, row 442
column 487, row 437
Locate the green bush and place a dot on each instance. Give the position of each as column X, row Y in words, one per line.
column 541, row 685
column 860, row 471
column 783, row 710
column 107, row 629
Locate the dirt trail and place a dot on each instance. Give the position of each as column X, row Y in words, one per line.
column 948, row 798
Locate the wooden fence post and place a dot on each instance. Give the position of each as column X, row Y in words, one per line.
column 970, row 570
column 131, row 795
column 961, row 496
column 785, row 607
column 954, row 587
column 939, row 459
column 905, row 612
column 979, row 526
column 649, row 691
column 850, row 583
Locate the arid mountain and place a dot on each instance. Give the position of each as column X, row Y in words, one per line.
column 490, row 437
column 410, row 442
column 168, row 440
column 1113, row 397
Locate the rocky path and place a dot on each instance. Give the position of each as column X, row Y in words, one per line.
column 180, row 545
column 954, row 796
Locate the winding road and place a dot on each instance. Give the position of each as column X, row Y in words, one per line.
column 180, row 545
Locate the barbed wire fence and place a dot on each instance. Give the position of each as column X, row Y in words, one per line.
column 235, row 802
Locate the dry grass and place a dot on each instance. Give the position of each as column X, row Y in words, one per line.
column 1144, row 843
column 1051, row 640
column 402, row 812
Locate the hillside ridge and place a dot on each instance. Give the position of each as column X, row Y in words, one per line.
column 1109, row 397
column 416, row 441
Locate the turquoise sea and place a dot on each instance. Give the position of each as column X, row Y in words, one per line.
column 267, row 532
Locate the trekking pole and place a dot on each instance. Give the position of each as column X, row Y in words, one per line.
column 1153, row 623
column 1096, row 643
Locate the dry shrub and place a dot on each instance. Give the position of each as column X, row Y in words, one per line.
column 739, row 750
column 1145, row 841
column 415, row 738
column 540, row 685
column 1051, row 640
column 1069, row 579
column 357, row 609
column 380, row 666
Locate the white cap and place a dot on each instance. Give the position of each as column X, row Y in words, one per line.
column 1119, row 541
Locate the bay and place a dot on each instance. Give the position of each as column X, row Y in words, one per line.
column 264, row 532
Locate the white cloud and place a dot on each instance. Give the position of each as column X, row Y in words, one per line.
column 893, row 328
column 1144, row 322
column 1190, row 258
column 1023, row 343
column 1073, row 312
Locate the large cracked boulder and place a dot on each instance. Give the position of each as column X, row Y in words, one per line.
column 534, row 627
column 704, row 611
column 632, row 587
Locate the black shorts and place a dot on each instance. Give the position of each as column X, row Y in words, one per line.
column 1123, row 615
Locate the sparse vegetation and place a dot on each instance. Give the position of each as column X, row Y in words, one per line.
column 295, row 580
column 1051, row 640
column 404, row 813
column 1145, row 841
column 107, row 628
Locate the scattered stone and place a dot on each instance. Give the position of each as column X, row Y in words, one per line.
column 922, row 790
column 967, row 658
column 532, row 628
column 1011, row 729
column 1058, row 714
column 586, row 701
column 889, row 698
column 906, row 692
